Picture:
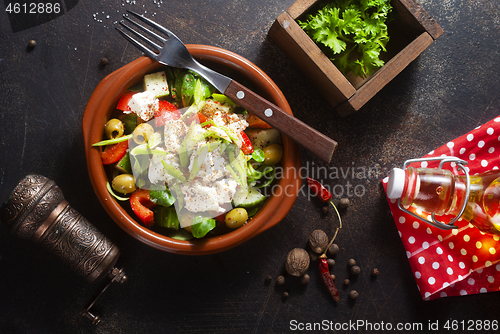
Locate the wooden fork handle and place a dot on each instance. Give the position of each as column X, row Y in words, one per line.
column 303, row 134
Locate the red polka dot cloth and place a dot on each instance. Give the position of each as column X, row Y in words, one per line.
column 461, row 261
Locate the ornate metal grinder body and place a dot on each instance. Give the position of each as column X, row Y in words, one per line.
column 37, row 210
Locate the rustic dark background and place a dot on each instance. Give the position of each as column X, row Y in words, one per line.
column 447, row 91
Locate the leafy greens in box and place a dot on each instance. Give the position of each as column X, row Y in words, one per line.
column 352, row 33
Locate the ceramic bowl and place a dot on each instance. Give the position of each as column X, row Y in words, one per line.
column 103, row 102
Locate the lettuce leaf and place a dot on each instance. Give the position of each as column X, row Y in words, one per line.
column 202, row 225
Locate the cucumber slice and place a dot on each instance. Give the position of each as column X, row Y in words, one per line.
column 248, row 200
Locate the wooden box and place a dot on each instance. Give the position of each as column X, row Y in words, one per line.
column 410, row 34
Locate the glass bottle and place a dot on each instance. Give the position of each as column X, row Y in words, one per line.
column 438, row 192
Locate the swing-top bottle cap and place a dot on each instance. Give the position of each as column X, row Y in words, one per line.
column 396, row 183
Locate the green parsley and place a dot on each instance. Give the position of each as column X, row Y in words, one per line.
column 352, row 33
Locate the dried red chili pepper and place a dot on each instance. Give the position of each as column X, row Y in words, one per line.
column 319, row 190
column 325, row 196
column 327, row 278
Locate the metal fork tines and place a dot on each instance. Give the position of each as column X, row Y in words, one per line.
column 169, row 50
column 172, row 52
column 156, row 48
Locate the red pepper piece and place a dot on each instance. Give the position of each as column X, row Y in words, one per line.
column 124, row 101
column 327, row 278
column 141, row 205
column 113, row 153
column 246, row 145
column 319, row 190
column 166, row 112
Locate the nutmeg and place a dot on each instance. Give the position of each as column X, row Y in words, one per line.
column 297, row 262
column 318, row 240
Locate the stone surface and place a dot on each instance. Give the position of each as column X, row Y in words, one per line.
column 449, row 90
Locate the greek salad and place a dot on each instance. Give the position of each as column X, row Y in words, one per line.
column 185, row 159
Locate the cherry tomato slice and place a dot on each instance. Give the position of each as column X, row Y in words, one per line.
column 246, row 145
column 141, row 205
column 124, row 101
column 199, row 117
column 166, row 112
column 220, row 218
column 113, row 153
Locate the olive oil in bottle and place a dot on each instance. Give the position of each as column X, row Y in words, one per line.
column 441, row 192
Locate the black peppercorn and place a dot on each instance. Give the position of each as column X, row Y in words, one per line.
column 353, row 294
column 32, row 43
column 375, row 272
column 352, row 262
column 334, row 248
column 333, row 277
column 285, row 294
column 104, row 61
column 305, row 279
column 280, row 280
column 324, row 209
column 269, row 278
column 347, row 281
column 355, row 270
column 331, row 262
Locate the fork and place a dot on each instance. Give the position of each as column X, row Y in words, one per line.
column 174, row 53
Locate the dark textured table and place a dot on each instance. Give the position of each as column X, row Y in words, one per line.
column 447, row 91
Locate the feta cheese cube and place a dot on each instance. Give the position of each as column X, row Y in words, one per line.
column 144, row 105
column 157, row 84
column 173, row 133
column 200, row 198
column 156, row 171
column 226, row 188
column 212, row 166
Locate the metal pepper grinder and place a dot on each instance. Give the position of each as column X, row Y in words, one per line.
column 37, row 210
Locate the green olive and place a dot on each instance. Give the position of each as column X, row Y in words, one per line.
column 124, row 183
column 142, row 133
column 114, row 128
column 236, row 217
column 273, row 154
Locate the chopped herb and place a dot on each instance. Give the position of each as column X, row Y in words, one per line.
column 352, row 33
column 113, row 141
